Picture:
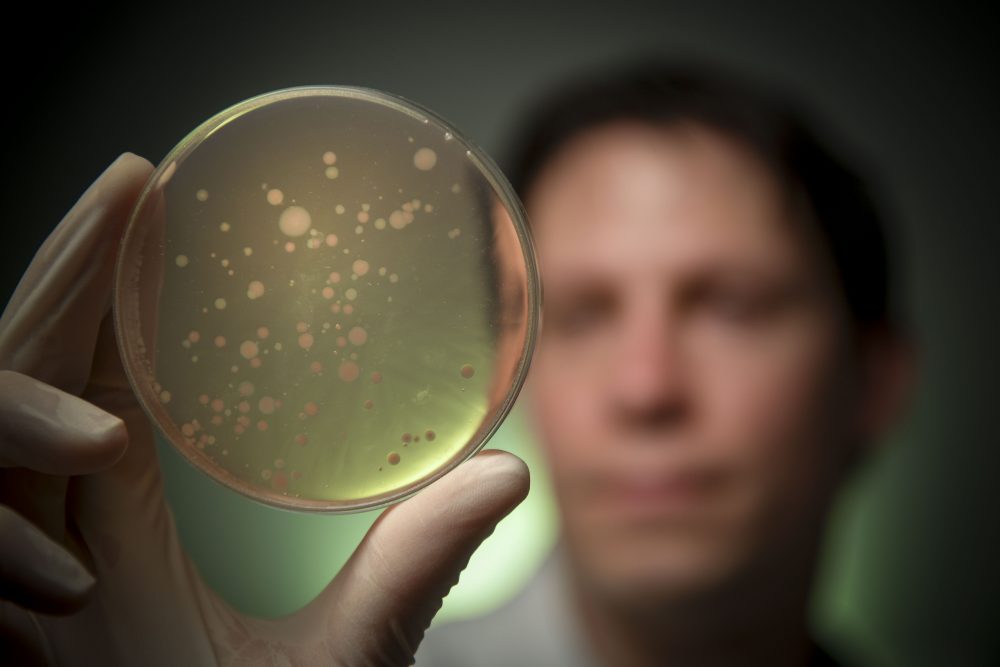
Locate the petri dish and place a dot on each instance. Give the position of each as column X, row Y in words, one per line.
column 326, row 298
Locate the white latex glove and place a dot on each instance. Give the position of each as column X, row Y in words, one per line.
column 80, row 483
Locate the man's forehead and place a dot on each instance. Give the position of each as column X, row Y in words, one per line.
column 632, row 156
column 648, row 195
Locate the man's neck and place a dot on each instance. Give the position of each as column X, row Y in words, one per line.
column 761, row 625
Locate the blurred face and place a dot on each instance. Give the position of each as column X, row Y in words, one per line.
column 694, row 385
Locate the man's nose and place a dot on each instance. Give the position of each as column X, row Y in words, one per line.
column 649, row 383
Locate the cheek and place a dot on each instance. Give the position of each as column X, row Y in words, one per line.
column 566, row 415
column 781, row 408
column 778, row 418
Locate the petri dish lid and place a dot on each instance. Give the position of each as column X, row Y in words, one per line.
column 326, row 298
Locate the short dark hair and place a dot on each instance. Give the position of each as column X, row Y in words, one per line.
column 664, row 94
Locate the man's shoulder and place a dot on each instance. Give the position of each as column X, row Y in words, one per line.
column 499, row 637
column 533, row 628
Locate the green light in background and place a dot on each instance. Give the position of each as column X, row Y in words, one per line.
column 270, row 562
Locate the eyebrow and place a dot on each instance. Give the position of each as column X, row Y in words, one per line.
column 583, row 278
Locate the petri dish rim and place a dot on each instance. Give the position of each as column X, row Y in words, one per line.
column 487, row 168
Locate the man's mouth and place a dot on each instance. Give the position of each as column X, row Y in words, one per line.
column 652, row 493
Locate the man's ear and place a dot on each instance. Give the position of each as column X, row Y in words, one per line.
column 889, row 362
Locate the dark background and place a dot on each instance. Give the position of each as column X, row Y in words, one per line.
column 912, row 89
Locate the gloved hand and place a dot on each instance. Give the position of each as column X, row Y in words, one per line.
column 91, row 569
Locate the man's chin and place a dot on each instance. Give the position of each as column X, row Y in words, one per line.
column 657, row 579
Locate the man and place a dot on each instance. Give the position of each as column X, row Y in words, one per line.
column 717, row 352
column 713, row 361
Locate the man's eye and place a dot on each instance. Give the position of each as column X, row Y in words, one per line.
column 740, row 307
column 578, row 318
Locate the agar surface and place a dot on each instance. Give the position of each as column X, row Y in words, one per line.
column 324, row 298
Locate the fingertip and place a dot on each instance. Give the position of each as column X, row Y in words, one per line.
column 508, row 469
column 71, row 592
column 126, row 175
column 79, row 587
column 93, row 438
column 114, row 192
column 110, row 444
column 486, row 487
column 94, row 450
column 129, row 159
column 48, row 430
